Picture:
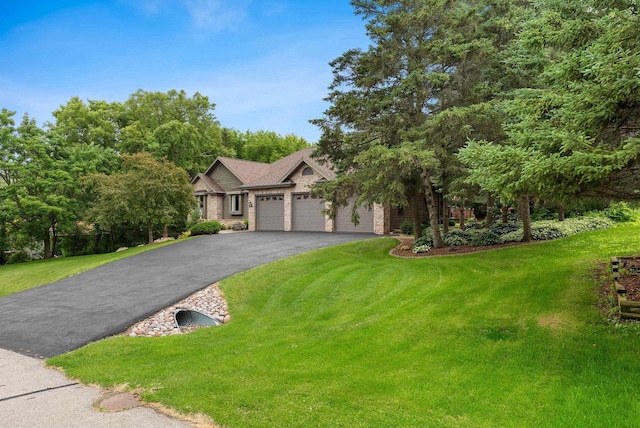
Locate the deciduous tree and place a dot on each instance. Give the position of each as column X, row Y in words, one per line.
column 146, row 192
column 36, row 183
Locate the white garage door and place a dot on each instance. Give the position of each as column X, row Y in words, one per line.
column 270, row 212
column 307, row 213
column 343, row 221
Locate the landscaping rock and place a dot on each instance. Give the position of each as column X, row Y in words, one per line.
column 208, row 301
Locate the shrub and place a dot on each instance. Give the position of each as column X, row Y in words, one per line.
column 238, row 226
column 504, row 228
column 452, row 222
column 76, row 244
column 543, row 213
column 474, row 224
column 549, row 229
column 485, row 237
column 515, row 236
column 417, row 249
column 456, row 237
column 206, row 228
column 589, row 223
column 18, row 257
column 194, row 218
column 425, row 239
column 406, row 227
column 620, row 212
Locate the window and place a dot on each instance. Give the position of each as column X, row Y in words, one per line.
column 235, row 204
column 202, row 206
column 307, row 171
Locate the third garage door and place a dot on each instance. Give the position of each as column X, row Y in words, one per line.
column 307, row 214
column 270, row 212
column 343, row 221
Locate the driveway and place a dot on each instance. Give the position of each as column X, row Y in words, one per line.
column 67, row 314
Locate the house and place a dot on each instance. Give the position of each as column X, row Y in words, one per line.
column 276, row 196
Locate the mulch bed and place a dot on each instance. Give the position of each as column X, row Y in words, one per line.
column 404, row 249
column 630, row 279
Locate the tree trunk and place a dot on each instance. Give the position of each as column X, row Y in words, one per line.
column 165, row 232
column 560, row 212
column 112, row 238
column 96, row 242
column 3, row 243
column 445, row 215
column 525, row 213
column 54, row 239
column 490, row 206
column 47, row 244
column 414, row 200
column 433, row 212
column 462, row 213
column 150, row 230
column 504, row 212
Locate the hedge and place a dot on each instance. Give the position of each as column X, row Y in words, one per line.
column 206, row 228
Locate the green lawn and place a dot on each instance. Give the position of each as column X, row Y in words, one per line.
column 22, row 276
column 351, row 337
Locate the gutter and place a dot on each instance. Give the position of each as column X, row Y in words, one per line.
column 270, row 186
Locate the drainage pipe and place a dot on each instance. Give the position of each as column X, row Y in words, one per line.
column 187, row 317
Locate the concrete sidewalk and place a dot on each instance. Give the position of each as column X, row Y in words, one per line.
column 33, row 396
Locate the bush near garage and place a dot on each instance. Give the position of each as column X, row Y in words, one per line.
column 206, row 228
column 238, row 226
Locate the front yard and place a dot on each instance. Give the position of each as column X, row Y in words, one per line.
column 350, row 336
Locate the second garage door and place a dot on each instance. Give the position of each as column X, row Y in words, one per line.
column 270, row 212
column 307, row 213
column 343, row 221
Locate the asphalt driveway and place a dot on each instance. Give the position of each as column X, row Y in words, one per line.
column 67, row 314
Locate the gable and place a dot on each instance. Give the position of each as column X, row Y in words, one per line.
column 204, row 184
column 225, row 178
column 235, row 174
column 199, row 185
column 304, row 173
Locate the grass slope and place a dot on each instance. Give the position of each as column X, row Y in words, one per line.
column 22, row 276
column 349, row 336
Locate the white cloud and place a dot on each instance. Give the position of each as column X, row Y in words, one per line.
column 216, row 15
column 204, row 15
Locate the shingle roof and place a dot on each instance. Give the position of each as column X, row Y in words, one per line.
column 254, row 174
column 209, row 182
column 246, row 171
column 281, row 169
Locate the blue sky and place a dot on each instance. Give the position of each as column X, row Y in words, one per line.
column 264, row 63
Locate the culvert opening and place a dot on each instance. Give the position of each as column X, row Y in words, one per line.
column 188, row 317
